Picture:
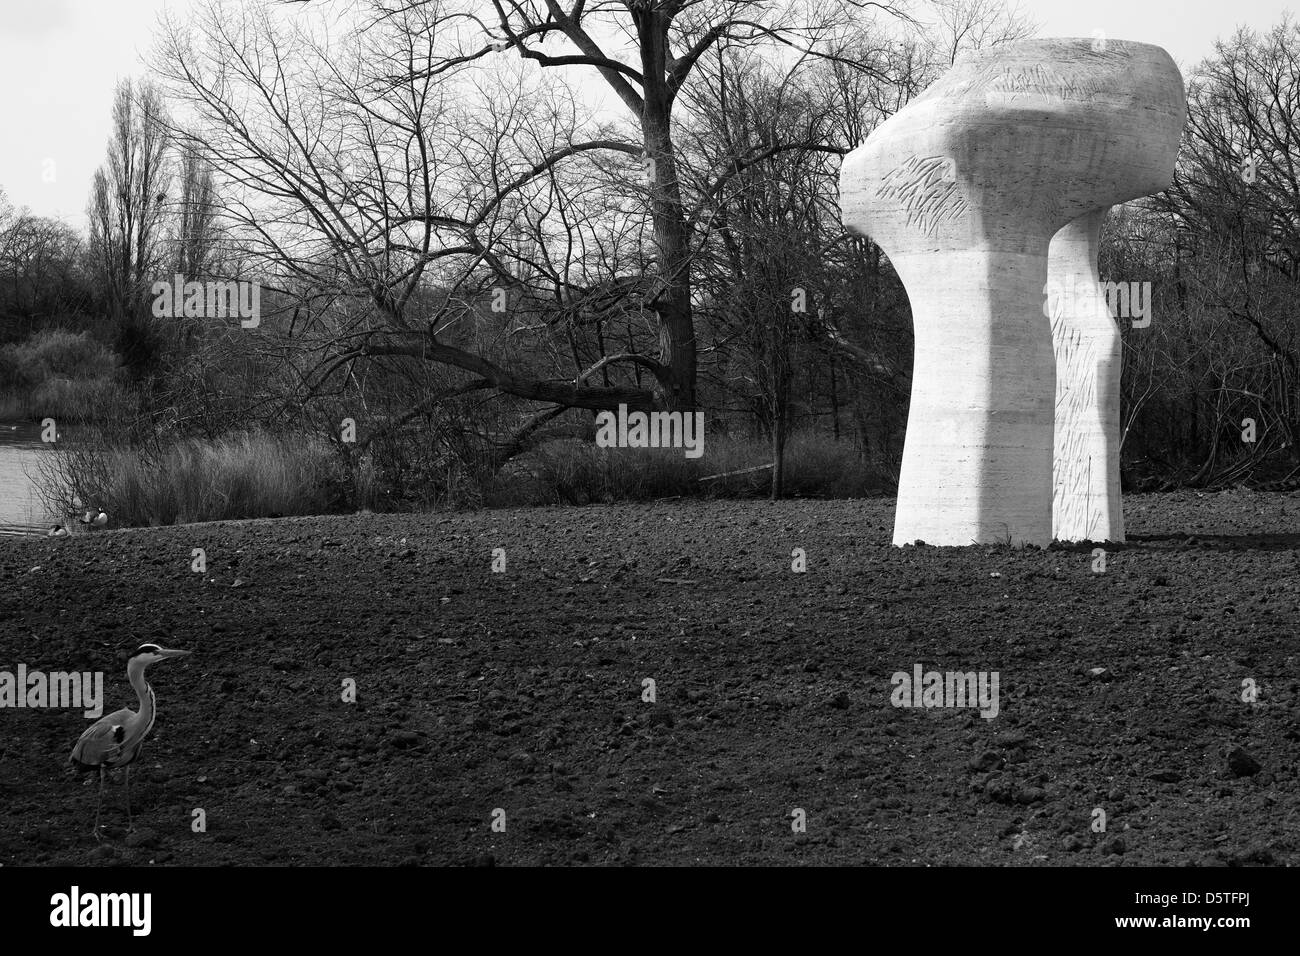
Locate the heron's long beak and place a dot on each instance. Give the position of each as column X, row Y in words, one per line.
column 170, row 653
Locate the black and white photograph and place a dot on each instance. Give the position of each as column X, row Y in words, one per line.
column 699, row 434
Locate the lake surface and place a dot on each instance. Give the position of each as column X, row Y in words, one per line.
column 21, row 509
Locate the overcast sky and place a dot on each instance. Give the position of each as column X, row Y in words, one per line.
column 60, row 59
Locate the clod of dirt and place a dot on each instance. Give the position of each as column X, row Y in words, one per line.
column 1252, row 856
column 1242, row 763
column 999, row 791
column 142, row 838
column 985, row 761
column 525, row 760
column 1114, row 845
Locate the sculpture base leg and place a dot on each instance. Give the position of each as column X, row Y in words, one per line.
column 977, row 459
column 1087, row 505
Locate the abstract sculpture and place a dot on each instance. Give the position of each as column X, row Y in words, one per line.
column 965, row 189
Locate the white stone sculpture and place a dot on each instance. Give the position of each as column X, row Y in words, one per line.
column 964, row 189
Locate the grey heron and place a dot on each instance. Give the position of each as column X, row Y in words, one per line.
column 115, row 739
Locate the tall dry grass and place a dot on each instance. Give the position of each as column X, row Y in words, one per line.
column 244, row 475
column 256, row 474
column 574, row 472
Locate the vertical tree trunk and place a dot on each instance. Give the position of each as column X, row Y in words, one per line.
column 835, row 402
column 778, row 453
column 668, row 218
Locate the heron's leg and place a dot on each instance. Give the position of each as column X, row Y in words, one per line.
column 130, row 827
column 98, row 803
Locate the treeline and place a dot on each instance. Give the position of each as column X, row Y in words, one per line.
column 462, row 255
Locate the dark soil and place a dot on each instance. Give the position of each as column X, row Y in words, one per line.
column 523, row 691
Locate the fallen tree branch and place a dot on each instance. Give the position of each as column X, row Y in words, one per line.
column 600, row 398
column 742, row 471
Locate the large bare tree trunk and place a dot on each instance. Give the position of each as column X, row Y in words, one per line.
column 668, row 215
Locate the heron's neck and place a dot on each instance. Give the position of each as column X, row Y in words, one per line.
column 135, row 674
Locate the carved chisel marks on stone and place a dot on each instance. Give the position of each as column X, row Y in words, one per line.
column 925, row 186
column 1039, row 82
column 1077, row 363
column 1071, row 81
column 1093, row 52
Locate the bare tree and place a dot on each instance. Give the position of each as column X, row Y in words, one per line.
column 348, row 185
column 196, row 215
column 1231, row 244
column 645, row 52
column 959, row 25
column 41, row 280
column 126, row 212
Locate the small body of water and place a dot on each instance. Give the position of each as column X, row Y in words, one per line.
column 21, row 509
